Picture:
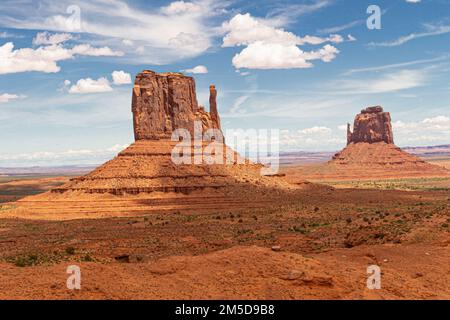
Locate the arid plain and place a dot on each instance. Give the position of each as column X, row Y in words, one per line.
column 141, row 227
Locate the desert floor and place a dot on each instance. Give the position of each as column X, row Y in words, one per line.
column 317, row 246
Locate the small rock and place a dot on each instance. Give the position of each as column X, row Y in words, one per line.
column 125, row 258
column 276, row 248
column 295, row 274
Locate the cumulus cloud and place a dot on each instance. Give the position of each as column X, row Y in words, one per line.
column 45, row 58
column 438, row 120
column 260, row 55
column 197, row 70
column 6, row 97
column 268, row 47
column 181, row 7
column 121, row 77
column 434, row 130
column 243, row 29
column 89, row 85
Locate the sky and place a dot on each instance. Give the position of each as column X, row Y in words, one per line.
column 305, row 68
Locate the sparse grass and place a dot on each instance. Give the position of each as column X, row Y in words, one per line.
column 87, row 258
column 70, row 250
column 408, row 184
column 30, row 259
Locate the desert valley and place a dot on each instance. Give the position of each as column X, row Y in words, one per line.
column 202, row 159
column 143, row 227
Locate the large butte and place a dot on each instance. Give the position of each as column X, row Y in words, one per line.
column 144, row 178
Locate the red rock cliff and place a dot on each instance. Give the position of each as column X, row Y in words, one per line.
column 163, row 102
column 371, row 125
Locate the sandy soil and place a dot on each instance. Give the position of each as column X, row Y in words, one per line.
column 241, row 272
column 327, row 238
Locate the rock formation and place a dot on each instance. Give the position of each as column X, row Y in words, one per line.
column 213, row 107
column 371, row 153
column 164, row 102
column 371, row 125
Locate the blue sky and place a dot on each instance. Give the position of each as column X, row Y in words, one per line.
column 304, row 67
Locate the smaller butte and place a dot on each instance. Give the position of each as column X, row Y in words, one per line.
column 371, row 153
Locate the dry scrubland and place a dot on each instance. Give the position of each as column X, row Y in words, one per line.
column 327, row 238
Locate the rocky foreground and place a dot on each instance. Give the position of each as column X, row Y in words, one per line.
column 317, row 246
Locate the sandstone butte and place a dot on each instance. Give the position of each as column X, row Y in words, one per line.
column 371, row 153
column 143, row 177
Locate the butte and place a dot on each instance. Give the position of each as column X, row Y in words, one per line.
column 371, row 153
column 144, row 178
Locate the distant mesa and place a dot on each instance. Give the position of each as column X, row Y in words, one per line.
column 371, row 154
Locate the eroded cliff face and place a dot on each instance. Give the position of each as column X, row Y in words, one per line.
column 164, row 102
column 371, row 125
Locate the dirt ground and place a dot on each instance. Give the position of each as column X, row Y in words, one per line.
column 317, row 245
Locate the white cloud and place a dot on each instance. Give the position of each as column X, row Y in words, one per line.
column 121, row 77
column 429, row 131
column 45, row 38
column 243, row 73
column 127, row 42
column 395, row 65
column 6, row 97
column 181, row 7
column 260, row 55
column 431, row 30
column 413, row 1
column 5, row 35
column 341, row 27
column 286, row 13
column 314, row 138
column 243, row 29
column 268, row 47
column 438, row 120
column 89, row 85
column 315, row 130
column 390, row 82
column 179, row 30
column 88, row 50
column 44, row 58
column 65, row 155
column 236, row 107
column 197, row 70
column 351, row 38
